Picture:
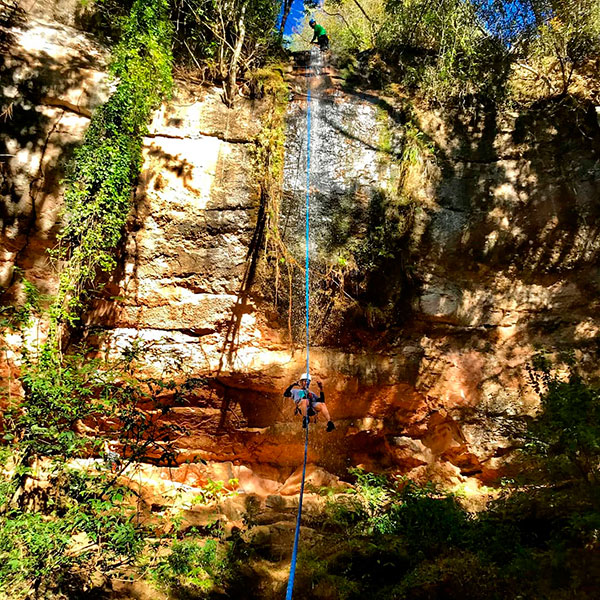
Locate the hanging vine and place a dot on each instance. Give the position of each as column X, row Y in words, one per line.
column 101, row 178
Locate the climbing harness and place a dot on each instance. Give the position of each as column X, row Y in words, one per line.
column 290, row 586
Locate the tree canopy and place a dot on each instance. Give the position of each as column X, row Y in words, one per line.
column 453, row 48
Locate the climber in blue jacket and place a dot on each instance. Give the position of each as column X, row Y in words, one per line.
column 308, row 403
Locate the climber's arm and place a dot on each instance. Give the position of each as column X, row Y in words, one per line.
column 322, row 396
column 288, row 392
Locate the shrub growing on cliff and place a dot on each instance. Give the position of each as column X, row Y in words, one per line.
column 193, row 567
column 442, row 49
column 101, row 178
column 81, row 531
column 565, row 436
column 67, row 400
column 426, row 516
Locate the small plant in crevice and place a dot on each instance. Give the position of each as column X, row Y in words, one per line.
column 193, row 567
column 18, row 317
column 215, row 491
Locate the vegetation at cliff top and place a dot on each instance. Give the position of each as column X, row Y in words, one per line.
column 226, row 40
column 445, row 52
column 451, row 51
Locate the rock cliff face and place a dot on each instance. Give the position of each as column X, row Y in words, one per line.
column 501, row 256
column 52, row 77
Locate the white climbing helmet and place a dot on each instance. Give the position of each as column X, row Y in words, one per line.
column 305, row 376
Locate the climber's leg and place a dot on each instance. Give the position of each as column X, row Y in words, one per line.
column 303, row 406
column 321, row 407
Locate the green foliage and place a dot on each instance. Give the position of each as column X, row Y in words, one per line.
column 562, row 46
column 442, row 50
column 18, row 317
column 399, row 540
column 430, row 518
column 269, row 148
column 46, row 549
column 427, row 515
column 568, row 426
column 451, row 51
column 50, row 530
column 31, row 548
column 226, row 39
column 193, row 567
column 62, row 392
column 102, row 175
column 214, row 491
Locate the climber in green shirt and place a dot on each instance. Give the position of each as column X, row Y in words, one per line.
column 320, row 36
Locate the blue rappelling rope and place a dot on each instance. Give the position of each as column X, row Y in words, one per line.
column 290, row 586
column 306, row 270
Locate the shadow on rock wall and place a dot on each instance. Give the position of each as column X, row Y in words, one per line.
column 514, row 209
column 519, row 203
column 46, row 97
column 439, row 385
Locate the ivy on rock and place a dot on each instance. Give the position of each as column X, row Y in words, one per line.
column 102, row 175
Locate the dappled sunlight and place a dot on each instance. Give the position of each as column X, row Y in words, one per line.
column 451, row 320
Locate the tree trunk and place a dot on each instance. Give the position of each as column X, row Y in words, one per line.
column 371, row 23
column 287, row 6
column 363, row 11
column 230, row 85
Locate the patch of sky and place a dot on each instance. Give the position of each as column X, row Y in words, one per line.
column 296, row 16
column 509, row 20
